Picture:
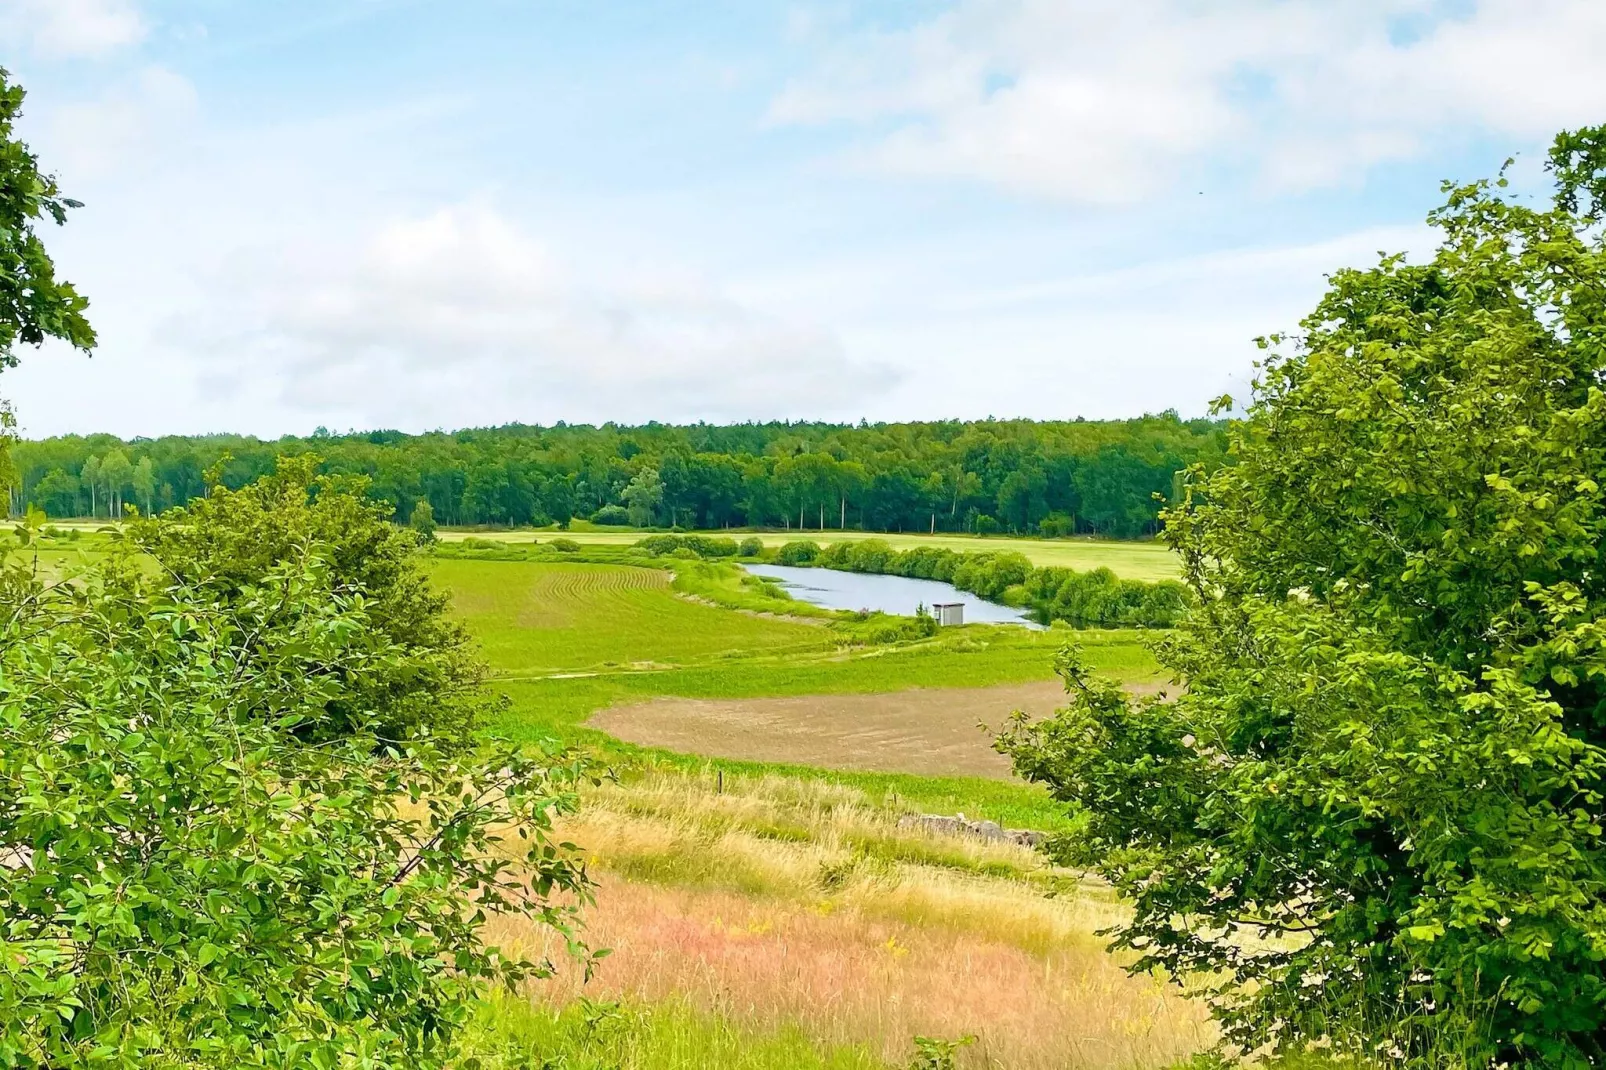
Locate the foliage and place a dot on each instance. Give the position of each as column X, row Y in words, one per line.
column 1086, row 599
column 1389, row 751
column 564, row 546
column 643, row 496
column 185, row 883
column 423, row 520
column 937, row 1053
column 798, row 552
column 1099, row 597
column 34, row 304
column 751, row 546
column 702, row 545
column 977, row 477
column 227, row 543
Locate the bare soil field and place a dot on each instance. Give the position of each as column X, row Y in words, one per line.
column 927, row 731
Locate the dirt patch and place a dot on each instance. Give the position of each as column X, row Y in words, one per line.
column 930, row 731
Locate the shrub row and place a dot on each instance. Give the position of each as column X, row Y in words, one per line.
column 1086, row 599
column 705, row 546
column 496, row 550
column 1100, row 597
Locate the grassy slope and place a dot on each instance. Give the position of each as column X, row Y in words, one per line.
column 568, row 639
column 1129, row 560
column 545, row 617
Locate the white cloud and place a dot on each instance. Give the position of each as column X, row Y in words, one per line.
column 136, row 121
column 1106, row 101
column 458, row 318
column 69, row 28
column 1170, row 332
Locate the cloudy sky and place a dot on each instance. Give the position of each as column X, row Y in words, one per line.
column 379, row 213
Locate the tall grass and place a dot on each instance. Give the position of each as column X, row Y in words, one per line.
column 514, row 1034
column 781, row 908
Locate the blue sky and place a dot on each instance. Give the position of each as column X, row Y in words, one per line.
column 360, row 213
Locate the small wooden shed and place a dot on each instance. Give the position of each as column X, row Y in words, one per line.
column 949, row 612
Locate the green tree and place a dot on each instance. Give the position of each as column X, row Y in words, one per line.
column 57, row 493
column 1388, row 752
column 185, row 883
column 115, row 474
column 428, row 684
column 423, row 520
column 34, row 304
column 89, row 476
column 643, row 497
column 143, row 480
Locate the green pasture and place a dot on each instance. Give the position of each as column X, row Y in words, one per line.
column 567, row 639
column 1149, row 560
column 536, row 618
column 555, row 706
column 57, row 554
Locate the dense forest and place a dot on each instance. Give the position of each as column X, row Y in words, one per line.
column 1019, row 476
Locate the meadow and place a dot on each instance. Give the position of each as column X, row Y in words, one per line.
column 768, row 909
column 1132, row 560
column 566, row 640
column 764, row 912
column 769, row 923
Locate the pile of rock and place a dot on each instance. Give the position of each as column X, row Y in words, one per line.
column 991, row 831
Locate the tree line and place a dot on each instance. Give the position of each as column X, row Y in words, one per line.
column 990, row 476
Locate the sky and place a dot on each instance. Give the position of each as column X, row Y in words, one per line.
column 362, row 214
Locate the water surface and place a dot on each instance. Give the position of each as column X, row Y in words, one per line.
column 889, row 594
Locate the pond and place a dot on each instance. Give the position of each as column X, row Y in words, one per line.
column 889, row 594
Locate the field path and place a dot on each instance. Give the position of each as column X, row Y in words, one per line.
column 928, row 731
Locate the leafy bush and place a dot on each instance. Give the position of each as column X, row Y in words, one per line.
column 751, row 546
column 229, row 542
column 1087, row 599
column 1390, row 752
column 697, row 545
column 1100, row 598
column 990, row 575
column 1056, row 526
column 797, row 552
column 183, row 881
column 938, row 1053
column 564, row 546
column 423, row 520
column 614, row 516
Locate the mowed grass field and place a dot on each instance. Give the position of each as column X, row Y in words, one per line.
column 537, row 618
column 1148, row 560
column 566, row 640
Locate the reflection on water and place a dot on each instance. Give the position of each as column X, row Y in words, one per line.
column 889, row 594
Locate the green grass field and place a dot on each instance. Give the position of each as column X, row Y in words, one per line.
column 737, row 895
column 565, row 640
column 540, row 618
column 1148, row 560
column 55, row 555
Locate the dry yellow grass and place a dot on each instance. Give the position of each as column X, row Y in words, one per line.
column 781, row 903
